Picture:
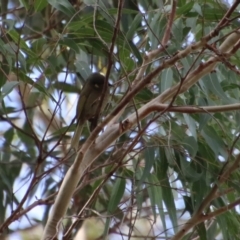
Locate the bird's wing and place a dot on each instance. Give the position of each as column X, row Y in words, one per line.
column 80, row 106
column 96, row 101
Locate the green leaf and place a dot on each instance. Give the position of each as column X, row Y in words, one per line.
column 2, row 206
column 126, row 59
column 115, row 198
column 149, row 161
column 40, row 87
column 7, row 88
column 214, row 141
column 168, row 199
column 155, row 32
column 167, row 195
column 144, row 96
column 39, row 5
column 213, row 85
column 191, row 125
column 25, row 4
column 178, row 31
column 66, row 87
column 212, row 230
column 133, row 27
column 191, row 145
column 117, row 193
column 201, row 189
column 188, row 171
column 6, row 110
column 20, row 43
column 185, row 8
column 70, row 43
column 228, row 225
column 201, row 230
column 166, row 79
column 155, row 195
column 26, row 139
column 8, row 135
column 63, row 6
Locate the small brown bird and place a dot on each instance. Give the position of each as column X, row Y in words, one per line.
column 88, row 104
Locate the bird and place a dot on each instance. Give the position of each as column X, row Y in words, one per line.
column 88, row 104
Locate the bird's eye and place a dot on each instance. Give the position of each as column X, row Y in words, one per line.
column 96, row 85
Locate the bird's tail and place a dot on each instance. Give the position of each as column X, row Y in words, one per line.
column 76, row 136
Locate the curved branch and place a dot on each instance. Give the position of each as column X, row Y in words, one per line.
column 195, row 109
column 87, row 154
column 89, row 151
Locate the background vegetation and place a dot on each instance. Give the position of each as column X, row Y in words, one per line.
column 166, row 165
